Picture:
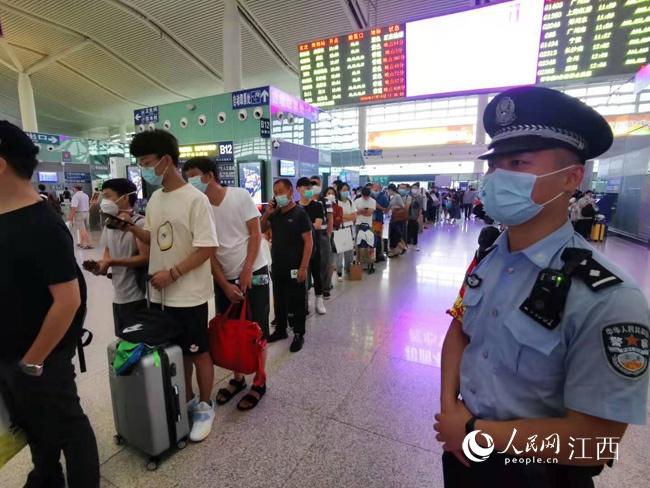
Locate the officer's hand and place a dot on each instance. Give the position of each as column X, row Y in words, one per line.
column 450, row 426
column 161, row 280
column 234, row 293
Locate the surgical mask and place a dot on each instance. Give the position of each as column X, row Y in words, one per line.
column 374, row 194
column 345, row 195
column 109, row 207
column 316, row 190
column 197, row 183
column 331, row 198
column 403, row 192
column 309, row 193
column 149, row 174
column 414, row 192
column 282, row 200
column 507, row 195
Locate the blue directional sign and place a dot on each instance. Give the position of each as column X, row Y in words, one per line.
column 250, row 98
column 373, row 152
column 40, row 138
column 145, row 115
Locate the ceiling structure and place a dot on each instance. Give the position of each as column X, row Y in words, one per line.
column 95, row 61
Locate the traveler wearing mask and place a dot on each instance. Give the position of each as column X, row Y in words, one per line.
column 395, row 229
column 324, row 236
column 382, row 200
column 239, row 266
column 554, row 341
column 316, row 213
column 126, row 255
column 79, row 217
column 179, row 227
column 344, row 259
column 291, row 251
column 43, row 301
column 416, row 206
column 586, row 210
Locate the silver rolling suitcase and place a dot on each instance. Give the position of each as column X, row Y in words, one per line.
column 149, row 403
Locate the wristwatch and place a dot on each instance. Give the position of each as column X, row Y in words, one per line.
column 470, row 426
column 31, row 369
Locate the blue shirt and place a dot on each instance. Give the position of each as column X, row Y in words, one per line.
column 382, row 201
column 514, row 368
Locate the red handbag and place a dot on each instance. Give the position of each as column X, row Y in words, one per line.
column 237, row 344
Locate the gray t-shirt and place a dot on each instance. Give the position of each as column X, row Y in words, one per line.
column 122, row 245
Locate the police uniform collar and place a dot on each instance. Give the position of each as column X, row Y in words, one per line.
column 542, row 252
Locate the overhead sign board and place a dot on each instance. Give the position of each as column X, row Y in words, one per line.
column 40, row 138
column 226, row 151
column 77, row 177
column 146, row 115
column 250, row 98
column 265, row 128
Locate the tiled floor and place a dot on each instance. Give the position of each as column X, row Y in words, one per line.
column 354, row 408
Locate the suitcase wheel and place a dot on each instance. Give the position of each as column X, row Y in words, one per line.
column 118, row 439
column 182, row 444
column 152, row 465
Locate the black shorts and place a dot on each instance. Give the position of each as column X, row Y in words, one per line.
column 194, row 321
column 122, row 310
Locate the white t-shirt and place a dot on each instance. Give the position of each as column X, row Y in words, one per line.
column 361, row 204
column 80, row 201
column 230, row 219
column 180, row 222
column 348, row 209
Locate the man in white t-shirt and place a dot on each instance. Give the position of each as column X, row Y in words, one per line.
column 365, row 206
column 179, row 227
column 239, row 266
column 78, row 217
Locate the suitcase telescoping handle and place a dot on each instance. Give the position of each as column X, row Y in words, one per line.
column 148, row 294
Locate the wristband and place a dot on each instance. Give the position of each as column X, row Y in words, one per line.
column 470, row 426
column 171, row 274
column 178, row 271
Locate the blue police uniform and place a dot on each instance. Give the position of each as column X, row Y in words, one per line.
column 515, row 368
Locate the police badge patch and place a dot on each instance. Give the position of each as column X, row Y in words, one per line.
column 627, row 347
column 505, row 111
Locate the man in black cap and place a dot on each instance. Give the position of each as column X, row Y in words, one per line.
column 550, row 356
column 42, row 299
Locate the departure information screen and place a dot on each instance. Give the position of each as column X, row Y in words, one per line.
column 590, row 38
column 361, row 67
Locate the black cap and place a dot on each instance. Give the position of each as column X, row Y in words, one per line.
column 14, row 142
column 533, row 118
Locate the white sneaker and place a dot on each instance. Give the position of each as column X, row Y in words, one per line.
column 191, row 405
column 202, row 417
column 320, row 306
column 340, row 278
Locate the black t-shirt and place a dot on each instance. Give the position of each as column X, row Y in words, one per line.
column 36, row 251
column 288, row 244
column 315, row 210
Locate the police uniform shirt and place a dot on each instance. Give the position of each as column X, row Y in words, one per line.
column 593, row 362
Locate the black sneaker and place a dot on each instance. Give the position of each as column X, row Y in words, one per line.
column 327, row 295
column 278, row 335
column 298, row 341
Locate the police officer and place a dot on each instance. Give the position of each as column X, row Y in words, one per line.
column 551, row 356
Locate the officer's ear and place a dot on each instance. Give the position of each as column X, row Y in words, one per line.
column 574, row 176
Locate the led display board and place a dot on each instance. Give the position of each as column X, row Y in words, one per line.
column 361, row 67
column 593, row 38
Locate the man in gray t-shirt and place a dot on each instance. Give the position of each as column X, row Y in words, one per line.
column 126, row 256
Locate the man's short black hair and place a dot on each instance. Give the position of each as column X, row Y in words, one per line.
column 284, row 181
column 122, row 187
column 392, row 187
column 18, row 150
column 158, row 142
column 303, row 182
column 366, row 191
column 41, row 187
column 204, row 165
column 316, row 177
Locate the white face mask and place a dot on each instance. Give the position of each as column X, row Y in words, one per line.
column 108, row 207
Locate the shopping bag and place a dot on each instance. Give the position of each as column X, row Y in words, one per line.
column 236, row 344
column 343, row 240
column 356, row 272
column 12, row 439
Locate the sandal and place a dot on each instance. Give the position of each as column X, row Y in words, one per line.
column 251, row 399
column 224, row 395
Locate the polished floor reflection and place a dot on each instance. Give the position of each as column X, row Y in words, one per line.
column 354, row 408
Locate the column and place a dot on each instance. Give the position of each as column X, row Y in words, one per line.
column 363, row 128
column 589, row 176
column 123, row 132
column 232, row 77
column 26, row 101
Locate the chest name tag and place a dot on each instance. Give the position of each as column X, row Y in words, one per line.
column 627, row 347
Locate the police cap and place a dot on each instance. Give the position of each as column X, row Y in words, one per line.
column 533, row 118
